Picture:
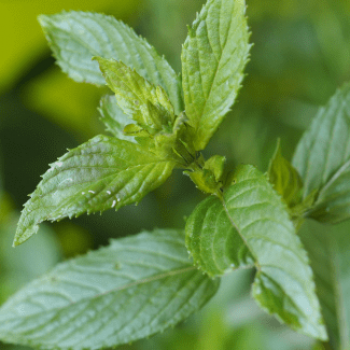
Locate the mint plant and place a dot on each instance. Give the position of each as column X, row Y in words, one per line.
column 159, row 121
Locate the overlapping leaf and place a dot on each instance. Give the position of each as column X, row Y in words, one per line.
column 100, row 174
column 213, row 59
column 250, row 227
column 329, row 253
column 114, row 118
column 132, row 289
column 323, row 159
column 148, row 105
column 75, row 37
column 285, row 178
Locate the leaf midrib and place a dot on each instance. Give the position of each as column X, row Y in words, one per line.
column 122, row 288
column 216, row 70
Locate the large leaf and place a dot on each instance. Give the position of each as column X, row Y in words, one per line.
column 213, row 59
column 148, row 105
column 114, row 118
column 250, row 227
column 323, row 159
column 100, row 174
column 330, row 255
column 134, row 288
column 75, row 37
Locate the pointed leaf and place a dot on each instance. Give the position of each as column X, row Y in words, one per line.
column 330, row 256
column 148, row 105
column 250, row 227
column 130, row 290
column 75, row 37
column 323, row 159
column 213, row 59
column 114, row 118
column 285, row 178
column 101, row 174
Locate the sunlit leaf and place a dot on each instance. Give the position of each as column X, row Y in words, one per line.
column 75, row 37
column 101, row 174
column 213, row 59
column 250, row 227
column 148, row 105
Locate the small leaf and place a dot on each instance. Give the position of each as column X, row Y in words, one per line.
column 148, row 105
column 101, row 174
column 213, row 59
column 285, row 178
column 114, row 118
column 208, row 176
column 250, row 227
column 75, row 37
column 330, row 255
column 132, row 289
column 323, row 159
column 216, row 165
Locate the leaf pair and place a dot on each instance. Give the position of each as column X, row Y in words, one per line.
column 104, row 173
column 250, row 227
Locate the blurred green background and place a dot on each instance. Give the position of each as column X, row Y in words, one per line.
column 301, row 54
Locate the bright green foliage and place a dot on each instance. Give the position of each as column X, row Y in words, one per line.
column 323, row 159
column 75, row 37
column 141, row 285
column 250, row 227
column 114, row 118
column 101, row 174
column 213, row 59
column 329, row 253
column 148, row 105
column 208, row 177
column 285, row 178
column 132, row 289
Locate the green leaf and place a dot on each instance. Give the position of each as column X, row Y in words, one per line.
column 207, row 175
column 250, row 227
column 213, row 59
column 114, row 118
column 323, row 159
column 329, row 253
column 132, row 289
column 75, row 37
column 285, row 178
column 101, row 174
column 148, row 105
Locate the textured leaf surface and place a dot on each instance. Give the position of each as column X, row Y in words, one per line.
column 323, row 159
column 213, row 59
column 285, row 178
column 75, row 37
column 114, row 118
column 330, row 255
column 100, row 174
column 250, row 227
column 146, row 104
column 134, row 288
